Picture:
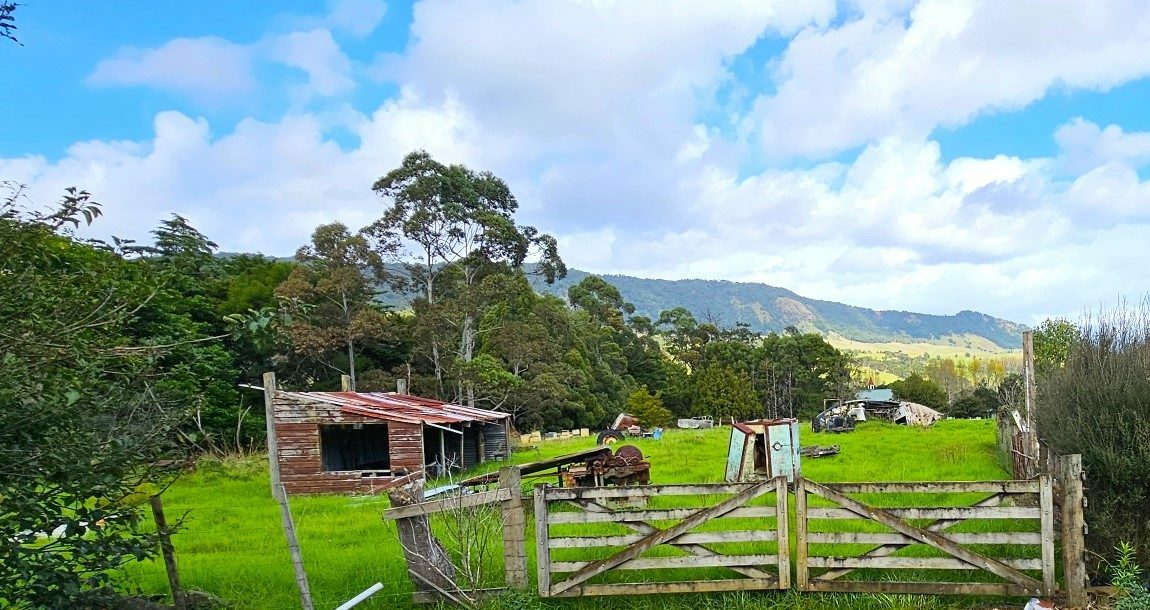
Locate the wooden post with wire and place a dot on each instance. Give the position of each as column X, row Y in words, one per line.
column 179, row 601
column 280, row 494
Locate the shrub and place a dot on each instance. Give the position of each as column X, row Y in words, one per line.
column 1126, row 577
column 1097, row 404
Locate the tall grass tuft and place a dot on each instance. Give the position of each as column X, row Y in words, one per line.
column 1098, row 405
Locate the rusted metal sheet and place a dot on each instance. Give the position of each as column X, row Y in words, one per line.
column 399, row 407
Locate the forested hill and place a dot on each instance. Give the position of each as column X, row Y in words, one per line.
column 770, row 309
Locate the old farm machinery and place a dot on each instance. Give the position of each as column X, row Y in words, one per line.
column 591, row 468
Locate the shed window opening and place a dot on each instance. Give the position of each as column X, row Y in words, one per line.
column 355, row 447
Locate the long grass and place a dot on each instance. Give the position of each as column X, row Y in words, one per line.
column 232, row 545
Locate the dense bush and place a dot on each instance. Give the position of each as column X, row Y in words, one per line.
column 1097, row 404
column 917, row 388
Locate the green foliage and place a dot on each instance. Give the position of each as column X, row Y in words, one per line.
column 798, row 372
column 982, row 402
column 724, row 393
column 1126, row 576
column 1053, row 340
column 916, row 388
column 330, row 298
column 7, row 21
column 648, row 408
column 1098, row 405
column 86, row 406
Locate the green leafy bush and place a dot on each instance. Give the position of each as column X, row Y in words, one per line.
column 1097, row 403
column 1126, row 577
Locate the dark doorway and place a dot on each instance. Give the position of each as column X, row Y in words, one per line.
column 355, row 447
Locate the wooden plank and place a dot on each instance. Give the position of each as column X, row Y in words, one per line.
column 1030, row 538
column 656, row 538
column 542, row 549
column 940, row 512
column 1003, row 589
column 783, row 529
column 579, row 542
column 660, row 563
column 657, row 588
column 802, row 570
column 1046, row 505
column 514, row 529
column 643, row 491
column 694, row 549
column 937, row 526
column 436, row 506
column 656, row 515
column 1010, row 487
column 913, row 563
column 979, row 561
column 1073, row 529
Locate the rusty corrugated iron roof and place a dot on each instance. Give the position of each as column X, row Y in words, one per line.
column 401, row 407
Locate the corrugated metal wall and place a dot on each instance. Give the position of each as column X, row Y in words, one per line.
column 495, row 441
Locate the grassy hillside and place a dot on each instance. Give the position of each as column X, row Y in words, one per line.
column 770, row 309
column 232, row 544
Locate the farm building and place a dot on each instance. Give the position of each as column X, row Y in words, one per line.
column 359, row 442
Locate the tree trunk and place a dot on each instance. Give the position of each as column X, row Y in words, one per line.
column 350, row 343
column 426, row 557
column 467, row 353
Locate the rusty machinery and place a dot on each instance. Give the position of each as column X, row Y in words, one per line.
column 625, row 467
column 587, row 468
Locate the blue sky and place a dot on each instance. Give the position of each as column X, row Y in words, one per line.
column 931, row 156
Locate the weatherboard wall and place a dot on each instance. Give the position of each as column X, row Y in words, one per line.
column 300, row 454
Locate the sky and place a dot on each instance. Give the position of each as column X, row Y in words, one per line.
column 928, row 156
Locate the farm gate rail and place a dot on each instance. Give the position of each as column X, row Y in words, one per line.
column 987, row 537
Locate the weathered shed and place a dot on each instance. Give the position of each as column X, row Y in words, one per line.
column 359, row 442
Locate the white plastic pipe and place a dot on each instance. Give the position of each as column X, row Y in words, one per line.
column 362, row 596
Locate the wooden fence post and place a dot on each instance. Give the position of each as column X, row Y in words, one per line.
column 542, row 544
column 169, row 553
column 1046, row 508
column 1073, row 529
column 782, row 525
column 514, row 529
column 802, row 571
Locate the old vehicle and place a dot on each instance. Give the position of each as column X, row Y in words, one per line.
column 843, row 415
column 626, row 425
column 697, row 422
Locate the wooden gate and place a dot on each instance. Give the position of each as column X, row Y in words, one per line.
column 1004, row 538
column 681, row 535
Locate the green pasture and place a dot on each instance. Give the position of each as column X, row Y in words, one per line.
column 231, row 543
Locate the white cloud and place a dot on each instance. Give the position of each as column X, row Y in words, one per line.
column 951, row 61
column 356, row 17
column 601, row 116
column 204, row 68
column 317, row 54
column 1085, row 145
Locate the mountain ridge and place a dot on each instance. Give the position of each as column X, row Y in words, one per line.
column 767, row 309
